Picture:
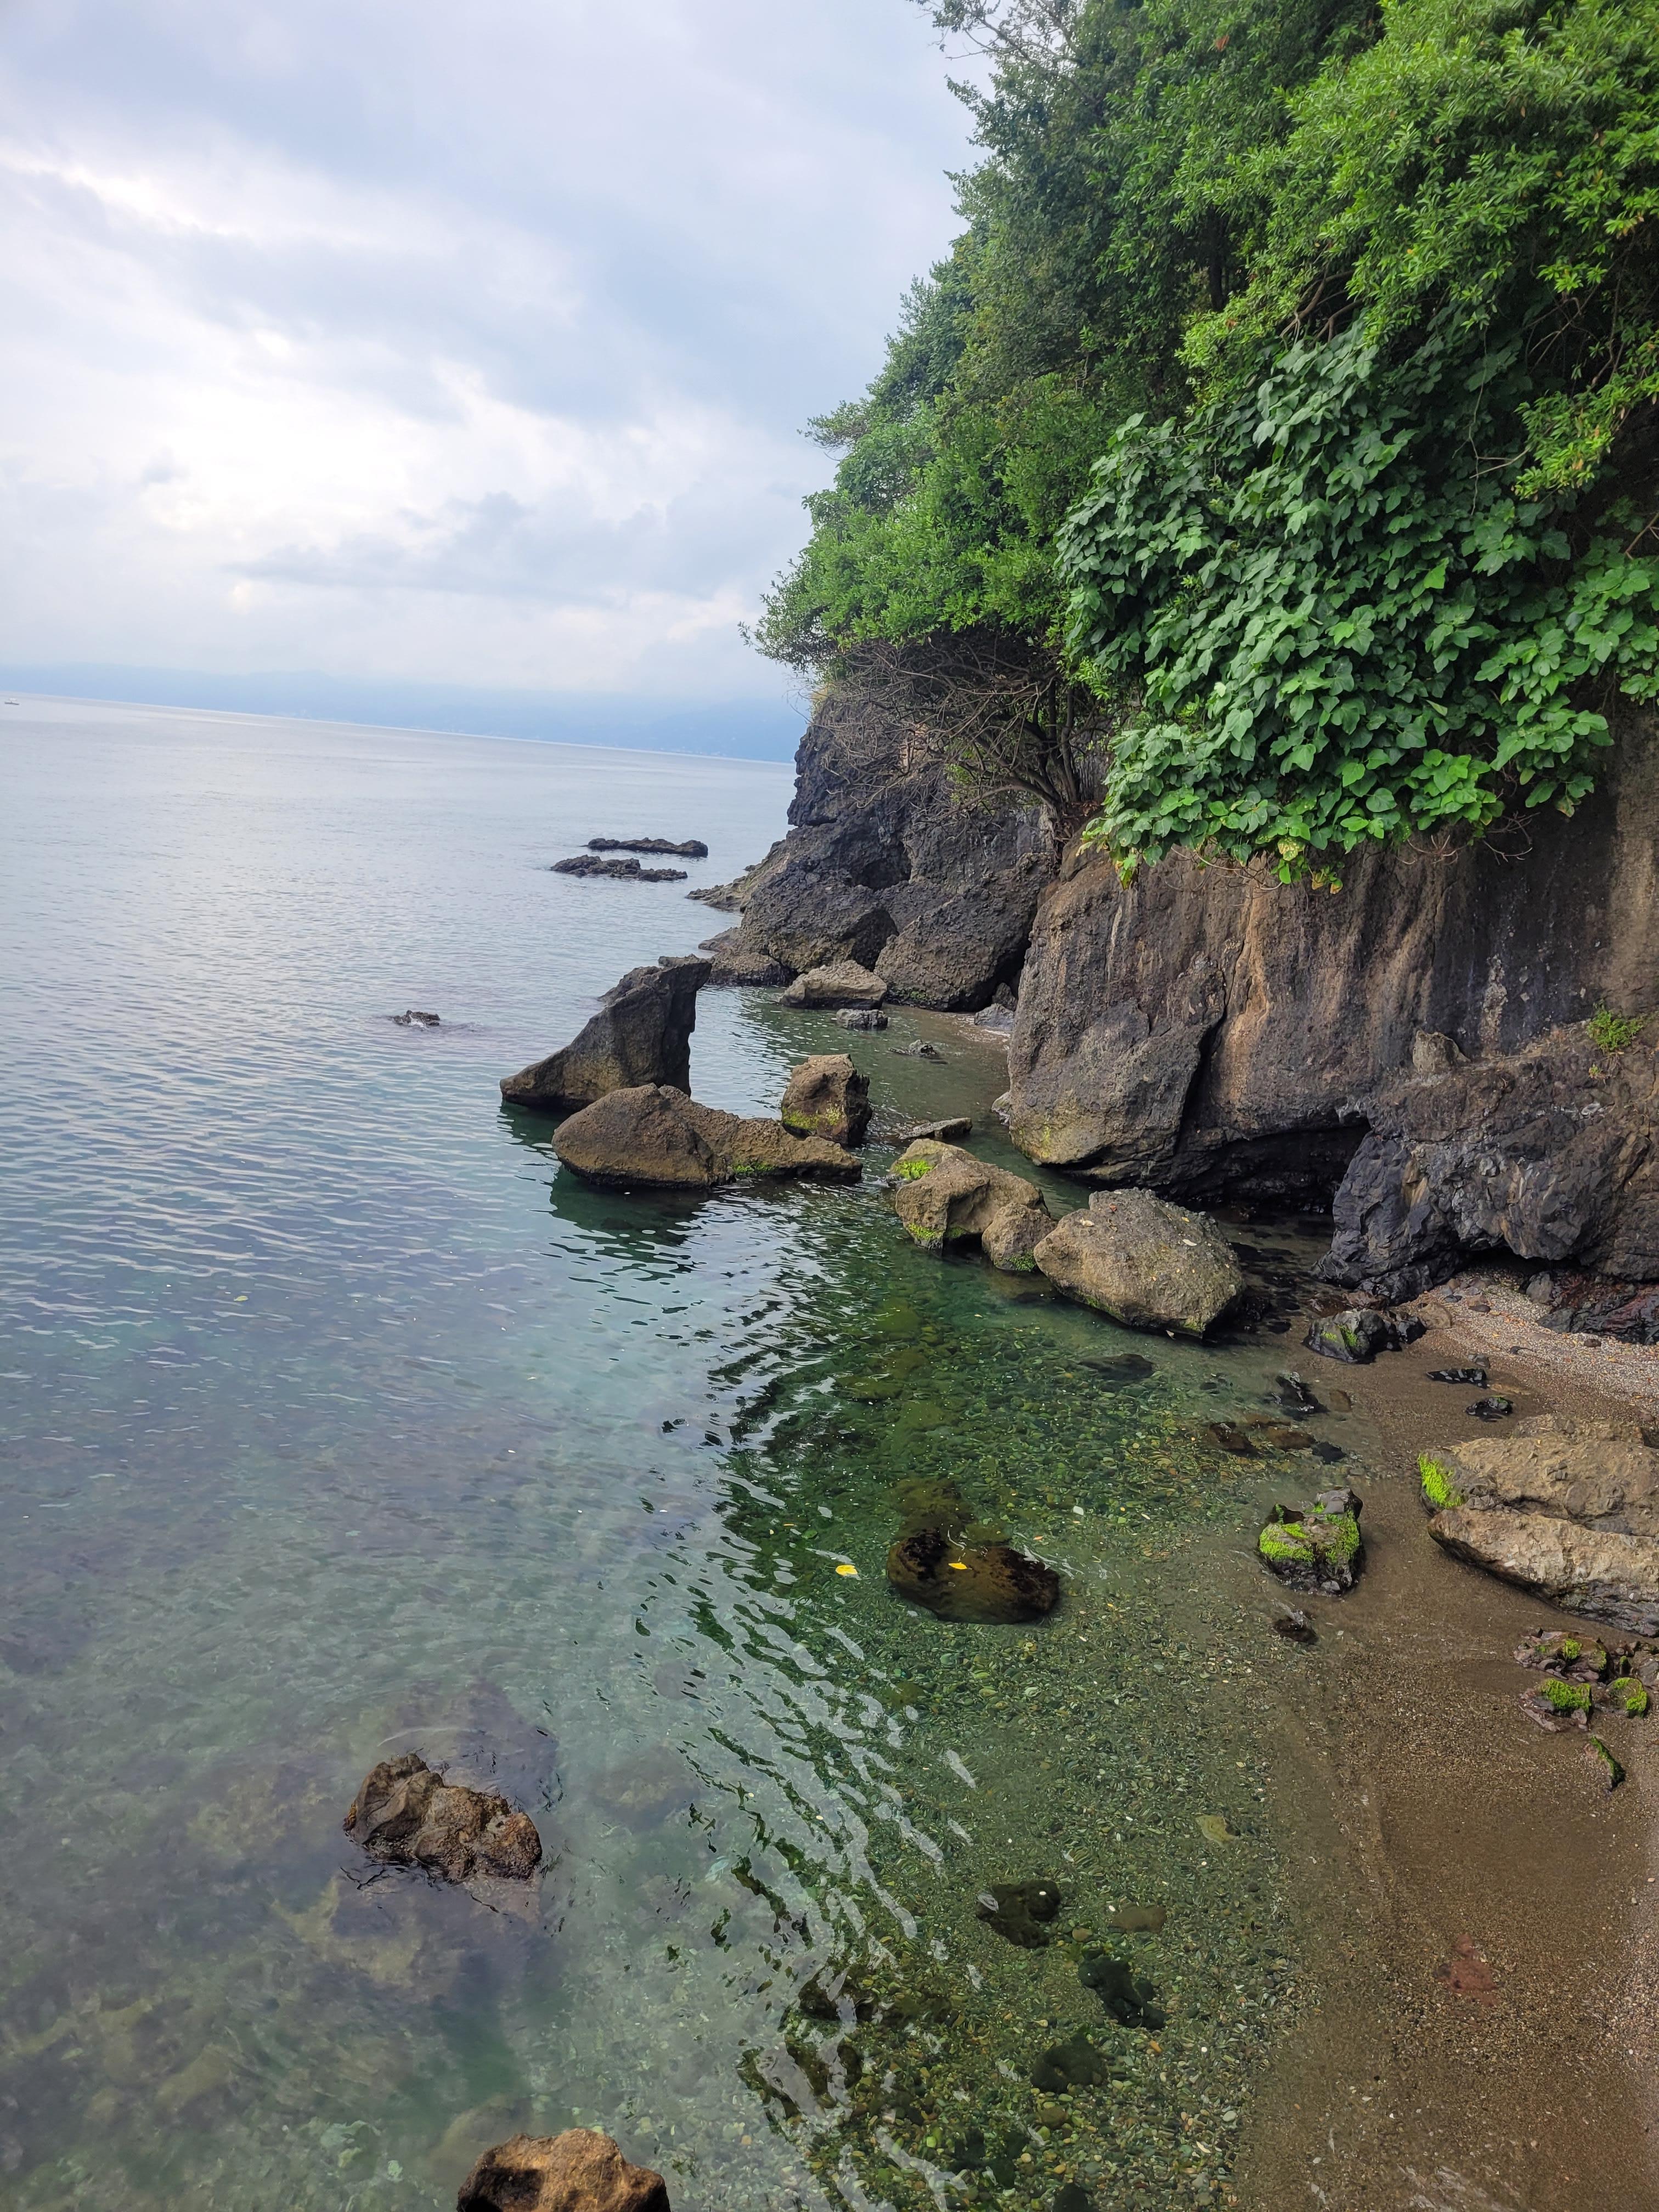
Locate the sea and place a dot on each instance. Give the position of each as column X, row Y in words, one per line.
column 341, row 1422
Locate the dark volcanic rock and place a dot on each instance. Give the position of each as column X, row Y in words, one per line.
column 692, row 849
column 652, row 1136
column 641, row 1034
column 889, row 866
column 413, row 1019
column 406, row 1814
column 1021, row 1912
column 1360, row 1334
column 626, row 872
column 861, row 1018
column 1211, row 1032
column 1128, row 1996
column 826, row 1097
column 581, row 2171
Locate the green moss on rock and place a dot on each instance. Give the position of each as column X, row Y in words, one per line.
column 1440, row 1493
column 1565, row 1696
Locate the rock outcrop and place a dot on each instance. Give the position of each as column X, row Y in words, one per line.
column 735, row 966
column 693, row 849
column 887, row 865
column 945, row 1196
column 840, row 983
column 581, row 2171
column 1146, row 1263
column 1569, row 1511
column 641, row 1034
column 826, row 1096
column 624, row 871
column 1411, row 1044
column 406, row 1814
column 652, row 1136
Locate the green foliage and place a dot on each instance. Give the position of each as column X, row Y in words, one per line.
column 1565, row 1696
column 1614, row 1032
column 1283, row 421
column 1440, row 1492
column 1629, row 1696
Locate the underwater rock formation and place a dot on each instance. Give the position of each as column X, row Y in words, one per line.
column 971, row 1581
column 1022, row 1912
column 1567, row 1510
column 1129, row 1997
column 826, row 1096
column 1146, row 1263
column 1319, row 1548
column 580, row 2171
column 945, row 1196
column 641, row 1034
column 653, row 1136
column 406, row 1814
column 839, row 983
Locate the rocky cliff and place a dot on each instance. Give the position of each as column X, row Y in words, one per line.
column 1410, row 1051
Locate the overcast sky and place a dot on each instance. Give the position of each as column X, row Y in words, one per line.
column 462, row 345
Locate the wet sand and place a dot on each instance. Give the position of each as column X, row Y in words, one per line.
column 1446, row 1839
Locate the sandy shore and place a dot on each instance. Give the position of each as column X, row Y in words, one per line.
column 1491, row 1976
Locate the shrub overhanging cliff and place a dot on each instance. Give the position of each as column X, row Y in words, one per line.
column 1270, row 469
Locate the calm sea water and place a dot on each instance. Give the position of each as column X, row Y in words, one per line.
column 340, row 1422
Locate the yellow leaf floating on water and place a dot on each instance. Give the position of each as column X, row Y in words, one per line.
column 1214, row 1829
column 843, row 1568
column 958, row 1566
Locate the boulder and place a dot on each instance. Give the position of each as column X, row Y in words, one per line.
column 737, row 966
column 626, row 872
column 406, row 1814
column 945, row 1196
column 581, row 2171
column 860, row 1018
column 641, row 1035
column 692, row 849
column 1317, row 1548
column 652, row 1136
column 844, row 983
column 1359, row 1332
column 956, row 951
column 813, row 919
column 1146, row 1263
column 970, row 1582
column 826, row 1097
column 1569, row 1511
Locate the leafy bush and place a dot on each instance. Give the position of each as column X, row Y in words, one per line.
column 1614, row 1032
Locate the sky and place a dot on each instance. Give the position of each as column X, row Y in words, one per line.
column 375, row 350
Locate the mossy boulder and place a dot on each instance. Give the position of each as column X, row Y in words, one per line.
column 1358, row 1334
column 945, row 1196
column 826, row 1097
column 1318, row 1548
column 1606, row 1768
column 1437, row 1484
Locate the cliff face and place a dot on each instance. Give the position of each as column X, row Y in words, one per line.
column 885, row 863
column 1410, row 1051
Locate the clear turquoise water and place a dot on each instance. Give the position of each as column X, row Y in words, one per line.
column 338, row 1421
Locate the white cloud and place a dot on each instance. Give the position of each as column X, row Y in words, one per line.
column 454, row 345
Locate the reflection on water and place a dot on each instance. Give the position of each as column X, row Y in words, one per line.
column 342, row 1424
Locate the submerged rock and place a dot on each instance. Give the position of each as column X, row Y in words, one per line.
column 1358, row 1334
column 652, row 1136
column 951, row 1131
column 1320, row 1548
column 1128, row 1996
column 1146, row 1263
column 1073, row 2064
column 641, row 1035
column 1122, row 1370
column 826, row 1097
column 945, row 1196
column 406, row 1814
column 1139, row 1919
column 414, row 1019
column 981, row 1582
column 1021, row 1912
column 861, row 1018
column 1569, row 1511
column 843, row 983
column 580, row 2171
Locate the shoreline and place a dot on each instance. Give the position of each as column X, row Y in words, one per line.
column 1447, row 1835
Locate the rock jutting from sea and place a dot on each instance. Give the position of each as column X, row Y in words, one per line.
column 654, row 1137
column 641, row 1034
